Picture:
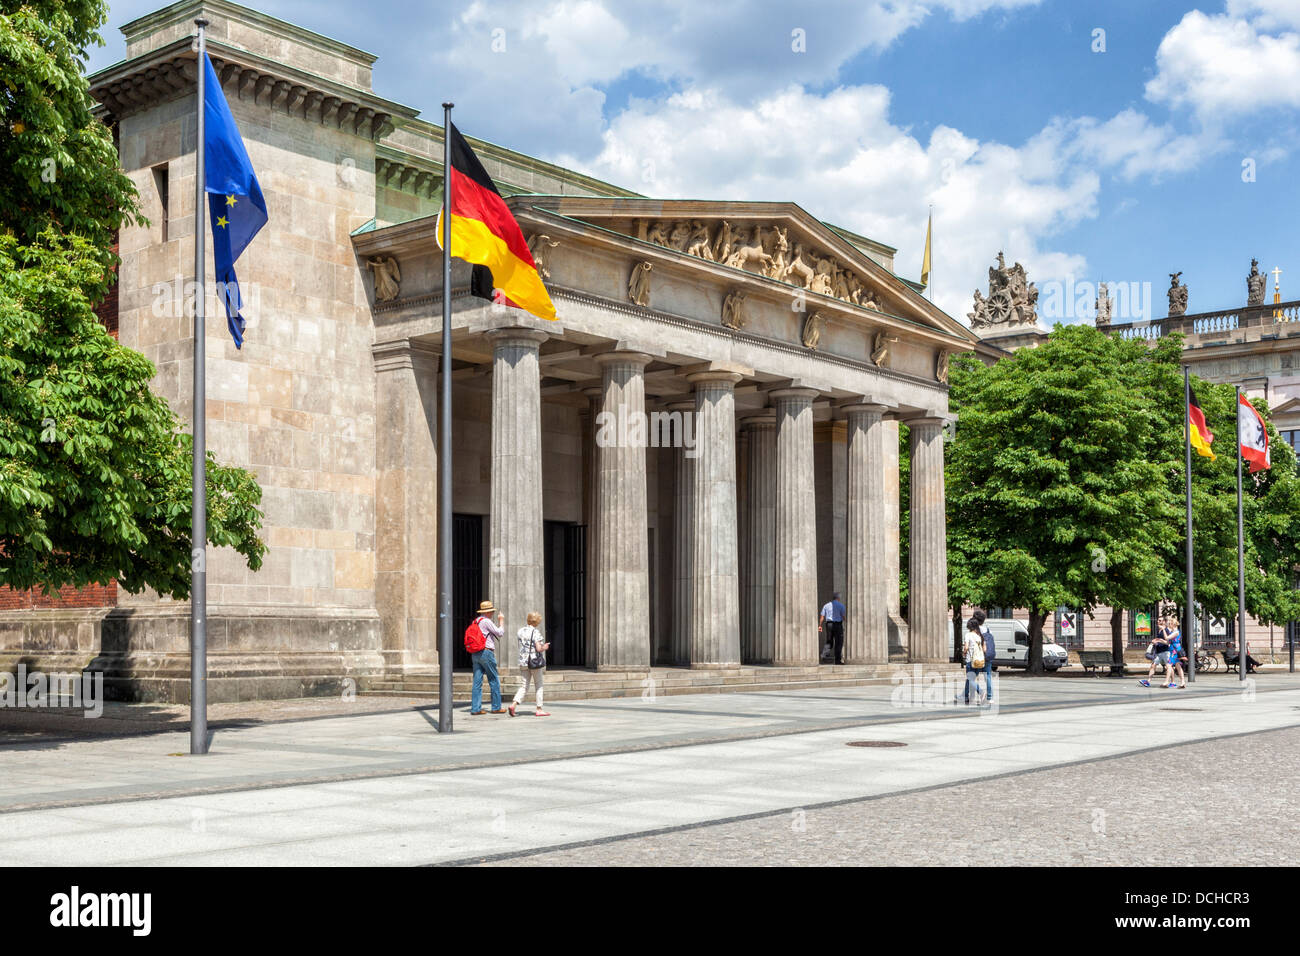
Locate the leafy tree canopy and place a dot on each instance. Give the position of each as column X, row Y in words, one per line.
column 94, row 468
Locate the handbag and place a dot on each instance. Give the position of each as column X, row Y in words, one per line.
column 1151, row 651
column 536, row 659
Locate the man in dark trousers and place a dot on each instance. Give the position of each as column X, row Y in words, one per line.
column 831, row 623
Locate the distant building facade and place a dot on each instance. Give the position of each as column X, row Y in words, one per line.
column 1255, row 345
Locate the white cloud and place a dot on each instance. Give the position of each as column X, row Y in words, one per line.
column 841, row 158
column 1230, row 65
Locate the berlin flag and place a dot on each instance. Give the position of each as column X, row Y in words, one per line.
column 1254, row 436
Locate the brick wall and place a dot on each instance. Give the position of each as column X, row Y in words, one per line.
column 94, row 596
column 107, row 310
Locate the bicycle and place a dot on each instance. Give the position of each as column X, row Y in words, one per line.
column 1206, row 663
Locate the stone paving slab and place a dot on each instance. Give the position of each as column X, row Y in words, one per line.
column 38, row 770
column 652, row 765
column 1235, row 797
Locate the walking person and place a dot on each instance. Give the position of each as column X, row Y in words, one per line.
column 532, row 663
column 1176, row 656
column 1157, row 653
column 990, row 650
column 832, row 621
column 482, row 648
column 973, row 653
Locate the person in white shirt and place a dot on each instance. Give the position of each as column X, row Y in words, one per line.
column 973, row 643
column 532, row 663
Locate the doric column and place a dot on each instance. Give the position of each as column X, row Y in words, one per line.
column 927, row 603
column 516, row 552
column 866, row 640
column 683, row 536
column 622, row 548
column 591, row 517
column 795, row 580
column 715, row 611
column 759, row 595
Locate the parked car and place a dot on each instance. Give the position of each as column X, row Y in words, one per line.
column 1011, row 642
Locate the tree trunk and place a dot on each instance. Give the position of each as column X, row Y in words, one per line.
column 1117, row 636
column 1035, row 663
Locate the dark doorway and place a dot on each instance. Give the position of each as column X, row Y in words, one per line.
column 565, row 623
column 467, row 580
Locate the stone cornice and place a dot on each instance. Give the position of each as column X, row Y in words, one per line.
column 186, row 10
column 170, row 71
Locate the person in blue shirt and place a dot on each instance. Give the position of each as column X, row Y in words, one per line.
column 1176, row 655
column 831, row 623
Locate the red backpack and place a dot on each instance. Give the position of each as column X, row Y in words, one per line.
column 475, row 640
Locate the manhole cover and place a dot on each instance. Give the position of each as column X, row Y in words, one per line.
column 876, row 743
column 1183, row 710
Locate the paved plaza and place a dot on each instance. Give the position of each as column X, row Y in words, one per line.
column 1066, row 771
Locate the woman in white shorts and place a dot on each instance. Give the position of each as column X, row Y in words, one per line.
column 532, row 663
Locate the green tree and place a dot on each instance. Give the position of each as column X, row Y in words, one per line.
column 1051, row 496
column 94, row 469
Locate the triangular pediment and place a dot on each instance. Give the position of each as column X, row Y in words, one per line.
column 779, row 242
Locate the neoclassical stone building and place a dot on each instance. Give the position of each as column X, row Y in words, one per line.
column 677, row 472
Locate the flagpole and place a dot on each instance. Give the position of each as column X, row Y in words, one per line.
column 1189, row 628
column 444, row 447
column 199, row 525
column 1241, row 559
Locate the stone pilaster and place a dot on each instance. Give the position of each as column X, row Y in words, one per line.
column 758, row 644
column 795, row 581
column 406, row 513
column 866, row 639
column 683, row 542
column 622, row 549
column 928, row 630
column 516, row 552
column 715, row 612
column 591, row 517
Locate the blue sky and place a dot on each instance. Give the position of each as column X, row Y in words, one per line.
column 1123, row 165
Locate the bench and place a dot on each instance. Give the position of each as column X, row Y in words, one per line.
column 1093, row 661
column 1231, row 662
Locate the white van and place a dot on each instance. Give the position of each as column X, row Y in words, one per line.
column 1011, row 641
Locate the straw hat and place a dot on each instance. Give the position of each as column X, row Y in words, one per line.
column 485, row 607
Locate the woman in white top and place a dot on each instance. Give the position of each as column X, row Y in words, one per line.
column 532, row 663
column 972, row 651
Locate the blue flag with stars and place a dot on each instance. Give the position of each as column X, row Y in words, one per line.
column 235, row 200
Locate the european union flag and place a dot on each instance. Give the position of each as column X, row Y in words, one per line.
column 235, row 200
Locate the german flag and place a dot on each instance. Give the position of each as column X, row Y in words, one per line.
column 484, row 232
column 1199, row 434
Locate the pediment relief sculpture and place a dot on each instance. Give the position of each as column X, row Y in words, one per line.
column 538, row 246
column 733, row 311
column 812, row 330
column 387, row 277
column 941, row 367
column 638, row 286
column 766, row 250
column 880, row 349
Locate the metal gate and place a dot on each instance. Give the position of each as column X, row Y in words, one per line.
column 467, row 580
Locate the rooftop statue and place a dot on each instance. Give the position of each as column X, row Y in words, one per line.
column 1012, row 298
column 1256, row 283
column 1177, row 296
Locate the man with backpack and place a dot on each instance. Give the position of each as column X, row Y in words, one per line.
column 480, row 642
